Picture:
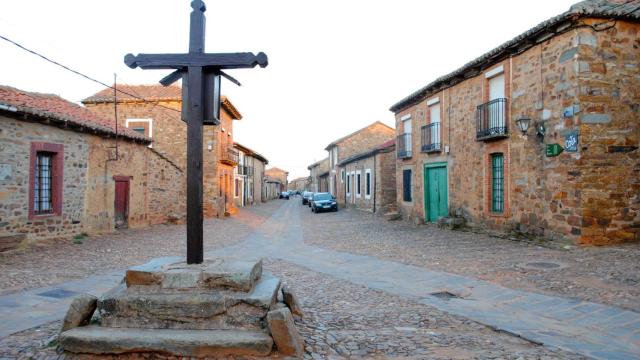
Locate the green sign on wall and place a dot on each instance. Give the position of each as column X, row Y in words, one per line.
column 554, row 150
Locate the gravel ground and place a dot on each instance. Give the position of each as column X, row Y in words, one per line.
column 609, row 275
column 343, row 320
column 55, row 261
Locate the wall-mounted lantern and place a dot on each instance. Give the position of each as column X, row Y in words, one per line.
column 523, row 123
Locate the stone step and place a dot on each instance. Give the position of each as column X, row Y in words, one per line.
column 218, row 273
column 94, row 339
column 158, row 308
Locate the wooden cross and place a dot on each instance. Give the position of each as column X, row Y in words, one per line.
column 201, row 73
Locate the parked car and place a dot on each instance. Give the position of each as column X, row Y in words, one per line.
column 284, row 195
column 323, row 202
column 306, row 196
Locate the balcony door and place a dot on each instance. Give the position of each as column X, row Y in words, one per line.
column 496, row 108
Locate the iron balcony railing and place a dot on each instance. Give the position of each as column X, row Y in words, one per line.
column 491, row 120
column 404, row 146
column 229, row 155
column 431, row 138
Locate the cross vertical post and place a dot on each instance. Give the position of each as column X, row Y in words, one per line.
column 201, row 74
column 195, row 118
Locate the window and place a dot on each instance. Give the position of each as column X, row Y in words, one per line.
column 42, row 195
column 342, row 175
column 348, row 185
column 367, row 184
column 358, row 184
column 406, row 185
column 142, row 126
column 140, row 130
column 434, row 116
column 45, row 179
column 236, row 192
column 497, row 183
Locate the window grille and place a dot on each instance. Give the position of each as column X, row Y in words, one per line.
column 497, row 183
column 43, row 201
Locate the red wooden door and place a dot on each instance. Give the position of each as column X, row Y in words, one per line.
column 121, row 201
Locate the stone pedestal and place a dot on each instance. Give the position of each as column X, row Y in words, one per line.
column 215, row 308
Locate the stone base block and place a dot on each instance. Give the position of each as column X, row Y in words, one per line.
column 219, row 273
column 154, row 307
column 198, row 343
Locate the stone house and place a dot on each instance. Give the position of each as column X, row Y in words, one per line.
column 299, row 184
column 370, row 179
column 155, row 111
column 272, row 187
column 249, row 176
column 355, row 143
column 575, row 80
column 280, row 177
column 319, row 176
column 64, row 171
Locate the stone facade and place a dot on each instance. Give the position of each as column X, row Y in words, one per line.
column 158, row 117
column 377, row 172
column 84, row 179
column 249, row 176
column 299, row 184
column 579, row 82
column 348, row 146
column 319, row 176
column 280, row 176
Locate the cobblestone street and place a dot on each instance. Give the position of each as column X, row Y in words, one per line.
column 352, row 318
column 609, row 275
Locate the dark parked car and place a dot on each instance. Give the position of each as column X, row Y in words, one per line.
column 306, row 196
column 284, row 195
column 323, row 202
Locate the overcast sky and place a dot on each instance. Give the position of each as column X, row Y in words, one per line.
column 334, row 65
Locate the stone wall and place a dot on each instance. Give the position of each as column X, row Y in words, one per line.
column 169, row 134
column 560, row 83
column 386, row 181
column 16, row 137
column 608, row 172
column 167, row 191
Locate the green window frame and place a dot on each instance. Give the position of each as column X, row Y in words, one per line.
column 497, row 183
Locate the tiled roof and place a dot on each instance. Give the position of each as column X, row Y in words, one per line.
column 151, row 92
column 147, row 92
column 380, row 148
column 336, row 142
column 318, row 163
column 55, row 109
column 250, row 152
column 613, row 9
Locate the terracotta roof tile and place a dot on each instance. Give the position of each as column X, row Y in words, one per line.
column 57, row 109
column 147, row 92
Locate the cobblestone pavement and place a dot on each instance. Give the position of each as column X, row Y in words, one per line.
column 346, row 320
column 608, row 275
column 370, row 300
column 56, row 261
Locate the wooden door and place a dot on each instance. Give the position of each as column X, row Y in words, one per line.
column 436, row 193
column 121, row 201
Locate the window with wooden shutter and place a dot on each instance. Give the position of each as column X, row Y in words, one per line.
column 406, row 185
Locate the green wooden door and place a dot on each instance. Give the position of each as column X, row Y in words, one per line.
column 436, row 193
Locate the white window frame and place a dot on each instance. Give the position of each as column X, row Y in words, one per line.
column 342, row 174
column 349, row 183
column 368, row 187
column 148, row 121
column 358, row 188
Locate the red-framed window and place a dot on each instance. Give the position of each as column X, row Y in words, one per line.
column 45, row 179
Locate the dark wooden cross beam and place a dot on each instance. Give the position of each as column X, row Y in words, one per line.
column 201, row 74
